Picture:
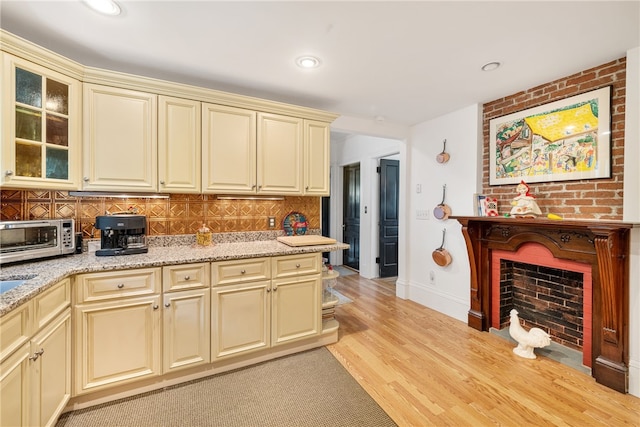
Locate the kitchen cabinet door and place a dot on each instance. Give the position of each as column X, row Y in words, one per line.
column 228, row 150
column 117, row 342
column 241, row 318
column 179, row 161
column 120, row 141
column 41, row 127
column 50, row 372
column 14, row 388
column 187, row 333
column 296, row 308
column 280, row 149
column 316, row 158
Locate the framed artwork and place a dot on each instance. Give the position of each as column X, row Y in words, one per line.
column 563, row 140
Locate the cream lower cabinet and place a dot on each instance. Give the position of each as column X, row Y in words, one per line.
column 118, row 328
column 295, row 308
column 36, row 378
column 251, row 312
column 186, row 316
column 51, row 383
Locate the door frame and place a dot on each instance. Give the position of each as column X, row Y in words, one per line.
column 369, row 230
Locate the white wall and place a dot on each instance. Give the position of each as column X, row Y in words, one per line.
column 631, row 210
column 367, row 151
column 445, row 289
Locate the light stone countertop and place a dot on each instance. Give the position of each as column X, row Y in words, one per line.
column 44, row 274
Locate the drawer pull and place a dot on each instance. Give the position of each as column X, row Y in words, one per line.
column 36, row 355
column 121, row 285
column 297, row 265
column 243, row 271
column 187, row 277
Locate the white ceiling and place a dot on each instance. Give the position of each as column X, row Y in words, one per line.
column 405, row 61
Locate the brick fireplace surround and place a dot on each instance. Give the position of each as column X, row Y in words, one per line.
column 603, row 245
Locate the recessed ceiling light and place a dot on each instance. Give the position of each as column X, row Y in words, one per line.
column 490, row 66
column 106, row 7
column 308, row 62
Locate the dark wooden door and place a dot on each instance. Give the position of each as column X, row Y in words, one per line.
column 389, row 173
column 351, row 216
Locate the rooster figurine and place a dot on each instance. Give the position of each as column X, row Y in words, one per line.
column 535, row 337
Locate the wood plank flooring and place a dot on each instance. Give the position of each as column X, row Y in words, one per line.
column 424, row 368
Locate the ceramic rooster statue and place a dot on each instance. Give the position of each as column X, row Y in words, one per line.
column 535, row 337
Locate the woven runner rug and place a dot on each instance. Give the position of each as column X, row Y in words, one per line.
column 307, row 389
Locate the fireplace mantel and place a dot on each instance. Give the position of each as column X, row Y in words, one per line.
column 602, row 244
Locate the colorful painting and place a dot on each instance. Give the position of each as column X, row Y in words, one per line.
column 559, row 141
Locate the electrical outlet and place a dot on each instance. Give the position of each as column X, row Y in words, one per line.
column 272, row 222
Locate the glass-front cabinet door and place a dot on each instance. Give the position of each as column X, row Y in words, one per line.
column 41, row 125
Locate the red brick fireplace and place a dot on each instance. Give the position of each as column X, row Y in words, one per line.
column 536, row 255
column 603, row 246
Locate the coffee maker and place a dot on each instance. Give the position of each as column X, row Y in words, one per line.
column 122, row 234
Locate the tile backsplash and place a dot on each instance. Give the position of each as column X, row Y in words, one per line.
column 179, row 214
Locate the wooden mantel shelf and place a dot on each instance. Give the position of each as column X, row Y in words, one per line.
column 602, row 244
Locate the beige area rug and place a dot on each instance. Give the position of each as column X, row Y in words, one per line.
column 307, row 389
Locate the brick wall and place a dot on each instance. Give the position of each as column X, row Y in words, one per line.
column 585, row 199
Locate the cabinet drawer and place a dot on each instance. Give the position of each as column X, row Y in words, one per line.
column 182, row 277
column 15, row 329
column 53, row 301
column 117, row 284
column 242, row 270
column 295, row 265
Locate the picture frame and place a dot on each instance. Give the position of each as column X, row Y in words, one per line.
column 564, row 140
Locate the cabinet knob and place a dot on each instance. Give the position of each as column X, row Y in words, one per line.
column 162, row 182
column 297, row 265
column 167, row 304
column 187, row 277
column 275, row 288
column 85, row 179
column 121, row 285
column 37, row 354
column 243, row 271
column 268, row 289
column 155, row 307
column 8, row 173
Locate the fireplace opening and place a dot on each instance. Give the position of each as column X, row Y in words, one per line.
column 547, row 298
column 549, row 293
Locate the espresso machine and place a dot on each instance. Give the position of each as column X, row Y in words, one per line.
column 122, row 234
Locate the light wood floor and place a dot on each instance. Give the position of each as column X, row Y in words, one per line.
column 424, row 368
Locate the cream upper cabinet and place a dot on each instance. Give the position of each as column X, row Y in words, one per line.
column 280, row 148
column 228, row 150
column 119, row 140
column 179, row 160
column 41, row 127
column 316, row 158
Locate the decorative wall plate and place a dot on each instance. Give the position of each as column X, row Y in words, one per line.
column 294, row 224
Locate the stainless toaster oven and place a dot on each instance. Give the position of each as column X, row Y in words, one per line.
column 27, row 240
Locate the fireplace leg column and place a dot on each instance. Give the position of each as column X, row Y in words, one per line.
column 610, row 342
